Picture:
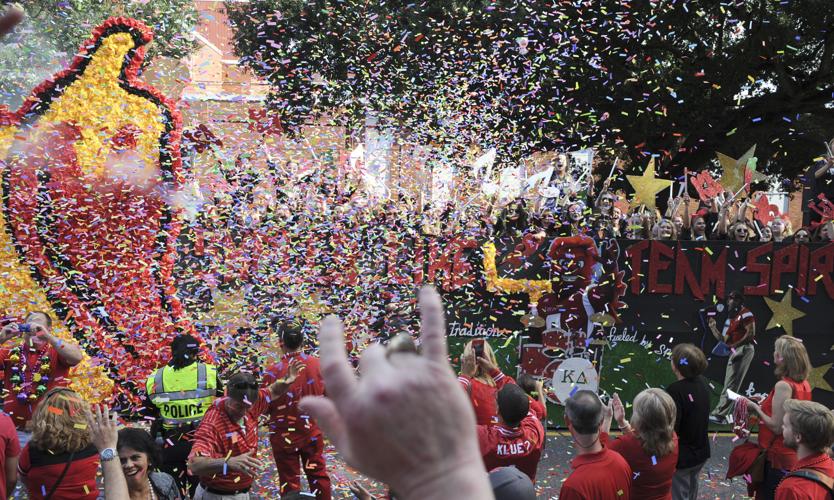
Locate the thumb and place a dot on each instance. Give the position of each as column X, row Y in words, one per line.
column 327, row 416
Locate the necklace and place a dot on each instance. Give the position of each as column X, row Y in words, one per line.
column 39, row 373
column 150, row 488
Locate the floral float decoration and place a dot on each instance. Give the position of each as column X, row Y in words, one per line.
column 91, row 160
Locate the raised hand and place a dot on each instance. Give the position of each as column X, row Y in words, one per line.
column 405, row 421
column 9, row 332
column 295, row 368
column 103, row 426
column 485, row 364
column 619, row 410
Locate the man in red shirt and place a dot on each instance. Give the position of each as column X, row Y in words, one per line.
column 739, row 332
column 39, row 363
column 519, row 436
column 226, row 443
column 597, row 471
column 808, row 428
column 9, row 453
column 294, row 436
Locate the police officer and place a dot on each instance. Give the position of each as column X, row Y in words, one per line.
column 178, row 396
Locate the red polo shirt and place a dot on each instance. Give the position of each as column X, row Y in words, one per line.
column 288, row 425
column 651, row 477
column 219, row 437
column 21, row 413
column 599, row 475
column 797, row 488
column 738, row 325
column 521, row 446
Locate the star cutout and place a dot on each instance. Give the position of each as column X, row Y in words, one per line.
column 646, row 186
column 817, row 379
column 784, row 314
column 735, row 171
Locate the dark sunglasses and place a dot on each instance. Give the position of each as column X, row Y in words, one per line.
column 242, row 386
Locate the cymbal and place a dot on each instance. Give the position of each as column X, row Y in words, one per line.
column 532, row 321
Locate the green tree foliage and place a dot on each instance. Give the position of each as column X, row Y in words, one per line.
column 676, row 78
column 53, row 30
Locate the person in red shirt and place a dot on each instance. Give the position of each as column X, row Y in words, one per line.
column 650, row 445
column 739, row 332
column 40, row 363
column 9, row 453
column 295, row 438
column 535, row 391
column 518, row 438
column 482, row 379
column 224, row 453
column 808, row 428
column 792, row 368
column 597, row 471
column 60, row 462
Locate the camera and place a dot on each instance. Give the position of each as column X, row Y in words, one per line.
column 24, row 328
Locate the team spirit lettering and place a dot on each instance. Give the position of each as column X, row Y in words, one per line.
column 661, row 268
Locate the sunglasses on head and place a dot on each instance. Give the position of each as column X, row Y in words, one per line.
column 242, row 386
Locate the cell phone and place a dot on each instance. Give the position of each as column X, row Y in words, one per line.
column 478, row 346
column 24, row 328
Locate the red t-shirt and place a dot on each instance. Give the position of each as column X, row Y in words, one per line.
column 738, row 325
column 797, row 488
column 599, row 475
column 503, row 446
column 21, row 413
column 286, row 420
column 538, row 408
column 41, row 469
column 779, row 455
column 651, row 476
column 217, row 435
column 10, row 446
column 483, row 396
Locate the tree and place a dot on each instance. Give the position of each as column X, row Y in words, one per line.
column 53, row 30
column 677, row 79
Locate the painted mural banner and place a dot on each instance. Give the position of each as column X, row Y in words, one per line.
column 623, row 305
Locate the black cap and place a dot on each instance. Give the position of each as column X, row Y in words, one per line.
column 509, row 483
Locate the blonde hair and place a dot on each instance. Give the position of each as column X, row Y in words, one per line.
column 59, row 423
column 813, row 421
column 795, row 362
column 656, row 229
column 476, row 372
column 653, row 419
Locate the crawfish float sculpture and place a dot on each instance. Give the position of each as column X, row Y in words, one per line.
column 90, row 161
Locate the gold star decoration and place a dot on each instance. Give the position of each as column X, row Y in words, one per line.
column 817, row 378
column 646, row 186
column 784, row 314
column 734, row 171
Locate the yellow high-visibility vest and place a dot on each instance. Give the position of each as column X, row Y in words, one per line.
column 183, row 396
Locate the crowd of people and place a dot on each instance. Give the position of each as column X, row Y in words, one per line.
column 400, row 417
column 285, row 246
